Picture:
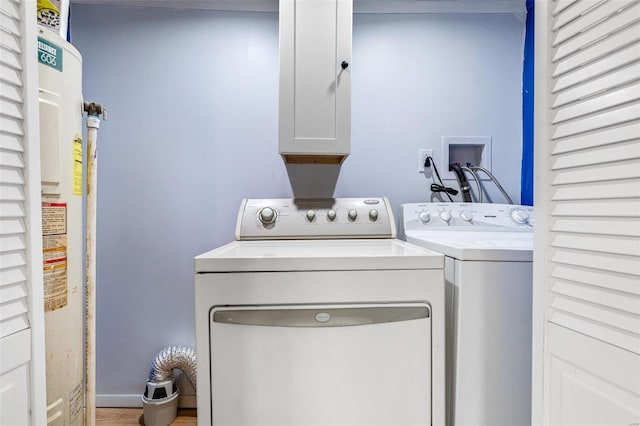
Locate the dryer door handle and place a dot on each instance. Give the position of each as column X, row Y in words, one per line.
column 321, row 316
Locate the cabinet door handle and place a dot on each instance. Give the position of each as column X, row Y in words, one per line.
column 344, row 65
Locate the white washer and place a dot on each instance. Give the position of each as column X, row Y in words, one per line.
column 488, row 272
column 317, row 315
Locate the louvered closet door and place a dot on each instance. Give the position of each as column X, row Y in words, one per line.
column 588, row 247
column 13, row 255
column 21, row 372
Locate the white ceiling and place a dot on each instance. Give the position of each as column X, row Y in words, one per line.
column 360, row 6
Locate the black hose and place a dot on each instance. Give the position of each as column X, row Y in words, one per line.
column 462, row 182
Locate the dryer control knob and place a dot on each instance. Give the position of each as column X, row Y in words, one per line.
column 352, row 215
column 520, row 216
column 267, row 215
column 311, row 215
column 424, row 217
column 445, row 215
column 331, row 215
column 466, row 215
column 373, row 215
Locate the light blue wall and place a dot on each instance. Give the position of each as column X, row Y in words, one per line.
column 192, row 129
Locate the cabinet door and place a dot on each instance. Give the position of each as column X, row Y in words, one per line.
column 315, row 89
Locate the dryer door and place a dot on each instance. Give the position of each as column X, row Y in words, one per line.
column 321, row 365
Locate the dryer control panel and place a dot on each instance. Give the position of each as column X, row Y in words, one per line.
column 467, row 217
column 284, row 218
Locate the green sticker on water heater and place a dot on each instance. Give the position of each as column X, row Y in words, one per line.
column 49, row 54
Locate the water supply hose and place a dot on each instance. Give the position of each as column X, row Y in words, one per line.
column 462, row 182
column 477, row 179
column 488, row 173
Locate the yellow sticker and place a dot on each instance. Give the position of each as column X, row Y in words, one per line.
column 77, row 165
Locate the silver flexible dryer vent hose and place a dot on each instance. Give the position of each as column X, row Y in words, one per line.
column 181, row 357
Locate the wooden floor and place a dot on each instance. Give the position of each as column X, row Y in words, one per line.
column 133, row 416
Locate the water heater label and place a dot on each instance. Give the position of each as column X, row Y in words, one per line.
column 49, row 54
column 54, row 255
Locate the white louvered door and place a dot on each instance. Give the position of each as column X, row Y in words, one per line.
column 22, row 399
column 587, row 251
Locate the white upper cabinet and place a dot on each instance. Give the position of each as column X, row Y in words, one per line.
column 315, row 80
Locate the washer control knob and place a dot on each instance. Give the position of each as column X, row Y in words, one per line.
column 331, row 215
column 424, row 217
column 520, row 216
column 466, row 215
column 352, row 215
column 267, row 215
column 445, row 215
column 373, row 215
column 311, row 215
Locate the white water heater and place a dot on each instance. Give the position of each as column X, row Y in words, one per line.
column 61, row 147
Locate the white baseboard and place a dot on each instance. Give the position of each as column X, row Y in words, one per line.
column 135, row 401
column 187, row 397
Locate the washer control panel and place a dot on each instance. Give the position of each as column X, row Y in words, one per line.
column 467, row 217
column 284, row 218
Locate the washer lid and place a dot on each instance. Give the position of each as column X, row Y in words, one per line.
column 317, row 255
column 487, row 246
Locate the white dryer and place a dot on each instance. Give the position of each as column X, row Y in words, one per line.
column 488, row 272
column 317, row 315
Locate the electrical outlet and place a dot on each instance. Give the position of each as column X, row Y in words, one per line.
column 422, row 156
